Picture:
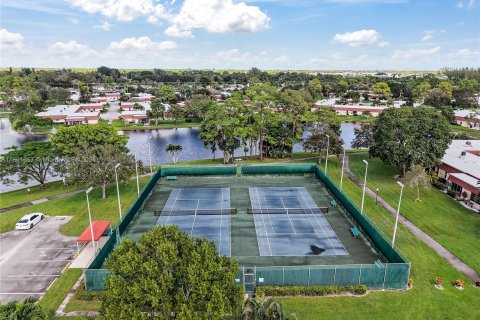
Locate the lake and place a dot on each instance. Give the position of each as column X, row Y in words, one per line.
column 138, row 143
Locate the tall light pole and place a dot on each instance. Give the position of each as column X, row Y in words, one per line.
column 136, row 172
column 118, row 192
column 90, row 219
column 150, row 155
column 343, row 166
column 364, row 184
column 398, row 213
column 326, row 159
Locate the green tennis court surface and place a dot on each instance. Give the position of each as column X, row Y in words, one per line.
column 293, row 216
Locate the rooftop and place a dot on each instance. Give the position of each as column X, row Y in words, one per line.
column 462, row 155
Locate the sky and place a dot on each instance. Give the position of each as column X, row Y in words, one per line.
column 231, row 34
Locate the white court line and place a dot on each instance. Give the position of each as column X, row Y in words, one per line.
column 57, row 249
column 173, row 206
column 263, row 219
column 283, row 204
column 195, row 217
column 321, row 226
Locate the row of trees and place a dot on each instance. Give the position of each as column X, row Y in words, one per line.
column 81, row 154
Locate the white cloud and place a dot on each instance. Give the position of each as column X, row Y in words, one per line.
column 358, row 38
column 10, row 39
column 71, row 49
column 384, row 44
column 123, row 10
column 233, row 55
column 282, row 58
column 427, row 37
column 467, row 53
column 415, row 53
column 470, row 4
column 141, row 45
column 217, row 16
column 104, row 26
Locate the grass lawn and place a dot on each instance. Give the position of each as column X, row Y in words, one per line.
column 440, row 216
column 422, row 302
column 76, row 206
column 162, row 124
column 11, row 198
column 465, row 131
column 59, row 290
column 356, row 119
column 5, row 114
column 83, row 301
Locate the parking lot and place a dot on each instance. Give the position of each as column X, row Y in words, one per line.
column 31, row 259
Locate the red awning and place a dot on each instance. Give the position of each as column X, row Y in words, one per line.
column 99, row 227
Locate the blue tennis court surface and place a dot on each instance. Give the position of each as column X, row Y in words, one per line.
column 201, row 212
column 289, row 223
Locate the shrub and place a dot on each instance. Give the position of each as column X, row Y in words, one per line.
column 273, row 291
column 410, row 282
column 188, row 120
column 459, row 283
column 477, row 284
column 451, row 193
column 81, row 294
column 438, row 280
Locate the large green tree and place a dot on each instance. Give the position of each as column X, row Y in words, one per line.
column 166, row 94
column 67, row 139
column 407, row 136
column 30, row 161
column 169, row 275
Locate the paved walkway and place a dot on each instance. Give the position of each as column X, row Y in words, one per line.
column 437, row 247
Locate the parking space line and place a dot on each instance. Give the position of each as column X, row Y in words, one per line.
column 46, row 260
column 23, row 293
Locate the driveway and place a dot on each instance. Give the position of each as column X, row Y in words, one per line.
column 31, row 260
column 113, row 112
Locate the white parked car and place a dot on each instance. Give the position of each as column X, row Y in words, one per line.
column 29, row 220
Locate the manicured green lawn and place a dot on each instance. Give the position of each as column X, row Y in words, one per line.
column 357, row 118
column 466, row 131
column 76, row 206
column 441, row 217
column 5, row 114
column 59, row 290
column 11, row 198
column 162, row 124
column 422, row 302
column 83, row 301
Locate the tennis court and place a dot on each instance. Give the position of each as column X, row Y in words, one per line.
column 289, row 223
column 201, row 212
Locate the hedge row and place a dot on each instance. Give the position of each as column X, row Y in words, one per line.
column 273, row 291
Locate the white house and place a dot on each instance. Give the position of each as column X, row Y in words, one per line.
column 468, row 118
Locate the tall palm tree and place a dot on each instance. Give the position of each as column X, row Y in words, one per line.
column 267, row 309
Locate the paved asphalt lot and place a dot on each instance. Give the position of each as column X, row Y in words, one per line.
column 31, row 259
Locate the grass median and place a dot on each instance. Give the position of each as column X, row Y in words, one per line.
column 76, row 206
column 441, row 217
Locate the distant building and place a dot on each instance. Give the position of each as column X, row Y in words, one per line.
column 72, row 114
column 142, row 97
column 460, row 166
column 468, row 118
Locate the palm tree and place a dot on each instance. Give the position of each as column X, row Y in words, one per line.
column 267, row 309
column 174, row 150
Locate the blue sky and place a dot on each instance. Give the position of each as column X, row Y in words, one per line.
column 224, row 34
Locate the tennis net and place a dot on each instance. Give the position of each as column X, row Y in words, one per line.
column 314, row 210
column 192, row 212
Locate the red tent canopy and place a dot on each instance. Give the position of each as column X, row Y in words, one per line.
column 99, row 227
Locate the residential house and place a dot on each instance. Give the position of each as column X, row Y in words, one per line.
column 460, row 166
column 72, row 114
column 468, row 118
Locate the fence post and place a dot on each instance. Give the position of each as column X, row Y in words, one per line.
column 385, row 275
column 360, row 275
column 309, row 276
column 334, row 275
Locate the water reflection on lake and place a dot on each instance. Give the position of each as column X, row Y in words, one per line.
column 138, row 142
